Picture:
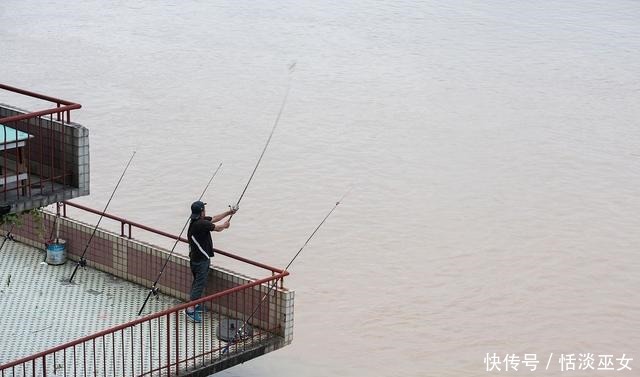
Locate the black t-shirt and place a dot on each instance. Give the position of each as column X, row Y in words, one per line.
column 199, row 233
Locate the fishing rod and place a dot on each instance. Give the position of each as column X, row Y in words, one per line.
column 46, row 241
column 273, row 129
column 9, row 236
column 83, row 262
column 154, row 290
column 240, row 330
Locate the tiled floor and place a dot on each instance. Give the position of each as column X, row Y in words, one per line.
column 39, row 309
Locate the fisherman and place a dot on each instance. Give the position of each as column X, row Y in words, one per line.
column 201, row 250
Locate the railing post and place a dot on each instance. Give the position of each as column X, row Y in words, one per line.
column 168, row 344
column 177, row 345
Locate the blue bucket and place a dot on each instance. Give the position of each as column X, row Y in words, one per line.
column 57, row 253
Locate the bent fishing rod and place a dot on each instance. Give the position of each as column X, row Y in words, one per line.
column 273, row 129
column 82, row 262
column 154, row 290
column 240, row 331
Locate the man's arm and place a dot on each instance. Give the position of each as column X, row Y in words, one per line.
column 221, row 227
column 218, row 217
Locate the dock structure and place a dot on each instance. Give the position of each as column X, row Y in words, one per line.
column 90, row 327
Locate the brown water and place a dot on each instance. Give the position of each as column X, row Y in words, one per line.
column 493, row 150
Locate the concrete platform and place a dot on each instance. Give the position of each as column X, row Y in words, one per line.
column 40, row 309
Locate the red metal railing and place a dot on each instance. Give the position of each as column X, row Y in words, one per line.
column 164, row 343
column 34, row 149
column 59, row 110
column 124, row 223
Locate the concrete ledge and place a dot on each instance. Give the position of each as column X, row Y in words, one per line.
column 233, row 360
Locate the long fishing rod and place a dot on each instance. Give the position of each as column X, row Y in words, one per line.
column 83, row 262
column 273, row 129
column 240, row 330
column 154, row 290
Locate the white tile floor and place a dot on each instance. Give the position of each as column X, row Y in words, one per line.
column 39, row 309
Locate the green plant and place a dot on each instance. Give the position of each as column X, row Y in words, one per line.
column 11, row 218
column 17, row 219
column 38, row 220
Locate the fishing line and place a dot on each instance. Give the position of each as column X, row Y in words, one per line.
column 273, row 129
column 154, row 290
column 240, row 330
column 83, row 262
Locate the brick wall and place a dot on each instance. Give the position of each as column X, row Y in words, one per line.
column 53, row 150
column 45, row 149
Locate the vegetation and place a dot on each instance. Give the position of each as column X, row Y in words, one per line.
column 16, row 219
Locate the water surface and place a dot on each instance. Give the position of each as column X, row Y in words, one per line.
column 492, row 148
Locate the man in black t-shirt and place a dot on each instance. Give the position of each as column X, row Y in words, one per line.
column 201, row 250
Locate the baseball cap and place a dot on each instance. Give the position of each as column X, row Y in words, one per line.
column 196, row 209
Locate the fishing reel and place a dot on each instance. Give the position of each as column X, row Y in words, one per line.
column 155, row 291
column 82, row 263
column 234, row 207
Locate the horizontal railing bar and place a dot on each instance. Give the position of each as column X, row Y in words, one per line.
column 36, row 95
column 58, row 110
column 68, row 105
column 171, row 236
